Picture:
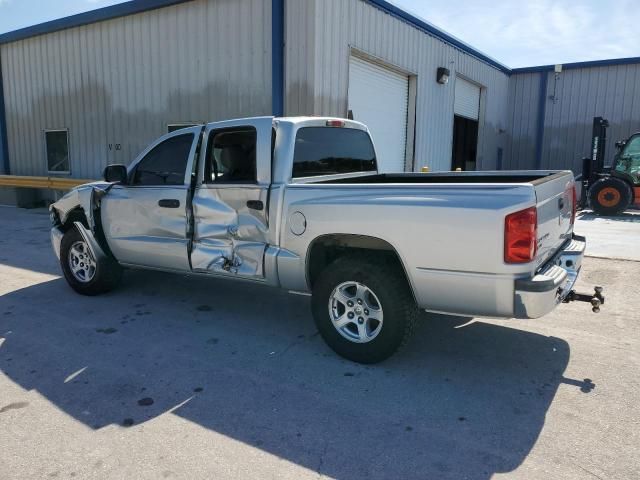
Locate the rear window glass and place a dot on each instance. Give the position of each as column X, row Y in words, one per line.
column 328, row 151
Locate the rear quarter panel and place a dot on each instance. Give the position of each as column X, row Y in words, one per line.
column 448, row 237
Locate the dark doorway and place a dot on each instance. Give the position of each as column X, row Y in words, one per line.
column 465, row 143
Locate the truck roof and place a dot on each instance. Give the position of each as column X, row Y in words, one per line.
column 322, row 122
column 304, row 120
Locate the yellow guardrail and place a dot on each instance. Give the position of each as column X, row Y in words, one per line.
column 54, row 183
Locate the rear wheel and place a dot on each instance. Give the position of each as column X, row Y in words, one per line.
column 82, row 271
column 610, row 196
column 363, row 308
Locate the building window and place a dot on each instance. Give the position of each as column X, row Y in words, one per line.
column 57, row 147
column 172, row 127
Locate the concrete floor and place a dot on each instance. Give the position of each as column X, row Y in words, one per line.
column 610, row 237
column 223, row 380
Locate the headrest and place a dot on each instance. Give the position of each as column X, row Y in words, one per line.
column 233, row 157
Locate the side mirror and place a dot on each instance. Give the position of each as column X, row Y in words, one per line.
column 620, row 144
column 115, row 173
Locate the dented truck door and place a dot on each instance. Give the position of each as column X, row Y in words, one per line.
column 146, row 221
column 231, row 199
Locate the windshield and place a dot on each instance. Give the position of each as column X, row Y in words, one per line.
column 629, row 159
column 328, row 151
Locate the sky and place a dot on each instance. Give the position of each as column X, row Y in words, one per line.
column 516, row 33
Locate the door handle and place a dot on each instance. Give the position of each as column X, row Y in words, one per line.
column 255, row 204
column 169, row 203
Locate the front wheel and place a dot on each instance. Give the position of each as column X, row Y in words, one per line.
column 82, row 271
column 363, row 308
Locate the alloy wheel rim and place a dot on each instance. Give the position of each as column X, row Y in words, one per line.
column 356, row 312
column 81, row 262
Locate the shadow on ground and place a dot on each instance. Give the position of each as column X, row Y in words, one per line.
column 246, row 362
column 632, row 216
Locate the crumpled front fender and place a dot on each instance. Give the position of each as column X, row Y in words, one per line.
column 86, row 197
column 94, row 246
column 96, row 250
column 56, row 240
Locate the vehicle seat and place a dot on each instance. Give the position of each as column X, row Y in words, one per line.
column 237, row 163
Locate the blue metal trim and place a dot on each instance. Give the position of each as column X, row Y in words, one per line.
column 575, row 65
column 4, row 146
column 277, row 57
column 98, row 15
column 542, row 111
column 436, row 32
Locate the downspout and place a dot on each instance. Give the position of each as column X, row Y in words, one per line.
column 277, row 57
column 542, row 111
column 4, row 147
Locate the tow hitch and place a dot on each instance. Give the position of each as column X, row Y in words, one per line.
column 596, row 299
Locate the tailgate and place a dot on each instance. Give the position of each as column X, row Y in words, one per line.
column 554, row 202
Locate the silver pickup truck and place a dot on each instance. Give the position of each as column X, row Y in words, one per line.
column 298, row 203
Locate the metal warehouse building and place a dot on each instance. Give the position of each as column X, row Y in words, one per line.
column 551, row 114
column 79, row 93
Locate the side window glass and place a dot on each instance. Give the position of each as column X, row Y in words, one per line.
column 172, row 127
column 231, row 156
column 633, row 146
column 166, row 163
column 629, row 161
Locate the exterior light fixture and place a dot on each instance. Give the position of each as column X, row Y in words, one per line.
column 557, row 70
column 443, row 75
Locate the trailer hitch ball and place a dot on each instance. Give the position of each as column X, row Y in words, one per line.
column 596, row 299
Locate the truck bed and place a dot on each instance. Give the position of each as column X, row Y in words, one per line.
column 447, row 227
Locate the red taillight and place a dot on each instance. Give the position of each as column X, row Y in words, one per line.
column 335, row 123
column 520, row 236
column 574, row 199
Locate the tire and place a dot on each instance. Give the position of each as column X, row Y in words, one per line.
column 388, row 288
column 103, row 277
column 610, row 196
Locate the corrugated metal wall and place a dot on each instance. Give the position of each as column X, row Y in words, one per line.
column 318, row 83
column 116, row 84
column 524, row 92
column 612, row 92
column 121, row 81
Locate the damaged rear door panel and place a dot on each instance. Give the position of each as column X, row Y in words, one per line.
column 230, row 203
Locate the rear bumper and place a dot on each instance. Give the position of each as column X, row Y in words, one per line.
column 537, row 296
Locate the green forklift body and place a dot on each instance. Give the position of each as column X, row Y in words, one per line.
column 626, row 163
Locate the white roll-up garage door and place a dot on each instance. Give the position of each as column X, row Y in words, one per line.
column 378, row 97
column 467, row 99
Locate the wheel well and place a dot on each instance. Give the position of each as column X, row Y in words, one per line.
column 326, row 249
column 75, row 215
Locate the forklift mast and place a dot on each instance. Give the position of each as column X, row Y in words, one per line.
column 598, row 146
column 592, row 167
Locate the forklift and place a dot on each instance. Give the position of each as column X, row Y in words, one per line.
column 610, row 190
